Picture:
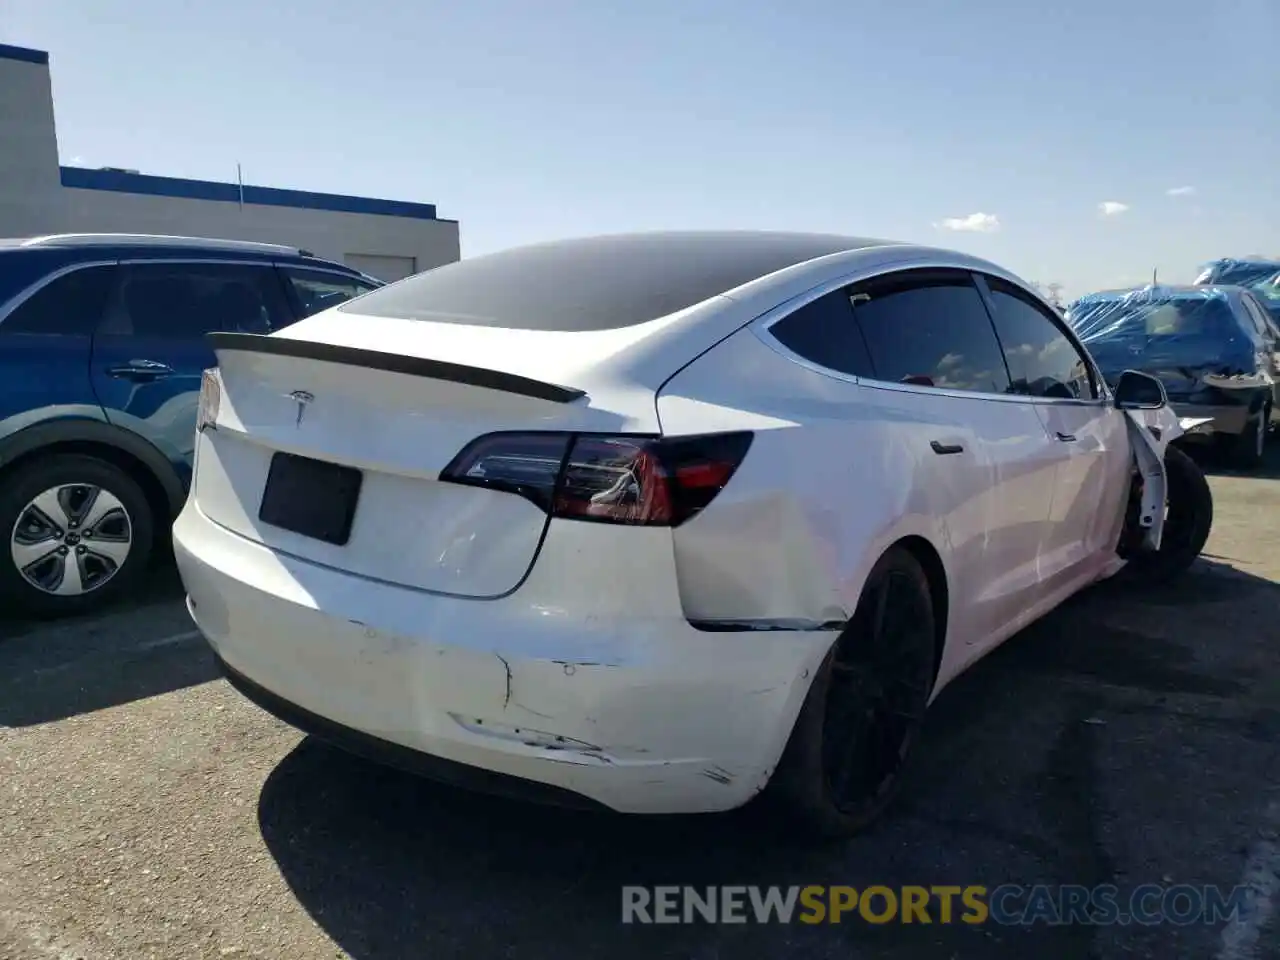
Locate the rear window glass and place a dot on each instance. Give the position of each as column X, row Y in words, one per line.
column 1189, row 317
column 19, row 270
column 600, row 283
column 68, row 305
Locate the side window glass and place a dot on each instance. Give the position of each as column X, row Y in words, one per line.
column 1042, row 361
column 184, row 301
column 1268, row 322
column 1257, row 315
column 71, row 305
column 824, row 332
column 317, row 290
column 930, row 329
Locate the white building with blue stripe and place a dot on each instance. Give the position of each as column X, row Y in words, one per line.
column 388, row 239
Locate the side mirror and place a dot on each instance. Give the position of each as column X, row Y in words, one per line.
column 1140, row 391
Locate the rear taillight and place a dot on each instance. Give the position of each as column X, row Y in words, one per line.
column 647, row 481
column 210, row 400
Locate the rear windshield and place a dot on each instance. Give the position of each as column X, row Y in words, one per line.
column 601, row 283
column 1104, row 320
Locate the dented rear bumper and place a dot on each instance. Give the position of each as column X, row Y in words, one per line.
column 609, row 694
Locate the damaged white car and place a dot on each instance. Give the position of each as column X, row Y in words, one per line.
column 658, row 522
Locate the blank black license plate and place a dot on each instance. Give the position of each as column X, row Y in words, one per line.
column 311, row 497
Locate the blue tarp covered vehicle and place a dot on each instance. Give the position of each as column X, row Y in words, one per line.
column 1267, row 293
column 1210, row 346
column 1238, row 272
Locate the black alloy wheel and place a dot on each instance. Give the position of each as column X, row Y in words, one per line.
column 843, row 765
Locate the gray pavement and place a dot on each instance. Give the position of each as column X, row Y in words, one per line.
column 146, row 810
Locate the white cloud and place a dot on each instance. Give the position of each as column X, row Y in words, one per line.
column 1180, row 191
column 1112, row 208
column 77, row 161
column 973, row 223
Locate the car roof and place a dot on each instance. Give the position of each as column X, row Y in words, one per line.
column 613, row 281
column 1244, row 262
column 68, row 245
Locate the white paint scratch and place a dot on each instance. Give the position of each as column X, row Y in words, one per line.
column 1261, row 878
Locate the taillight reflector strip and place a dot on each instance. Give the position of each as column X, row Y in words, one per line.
column 210, row 400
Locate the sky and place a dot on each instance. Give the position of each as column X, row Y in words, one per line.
column 1085, row 144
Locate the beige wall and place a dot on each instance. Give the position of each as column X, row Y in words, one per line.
column 30, row 187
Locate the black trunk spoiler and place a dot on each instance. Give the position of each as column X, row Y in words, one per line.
column 394, row 363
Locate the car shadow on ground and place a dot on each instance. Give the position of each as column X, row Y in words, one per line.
column 1216, row 464
column 1010, row 776
column 138, row 648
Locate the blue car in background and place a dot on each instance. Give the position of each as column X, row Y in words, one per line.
column 1237, row 272
column 1213, row 347
column 1267, row 293
column 102, row 347
column 1260, row 277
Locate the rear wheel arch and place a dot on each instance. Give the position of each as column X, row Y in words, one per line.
column 800, row 783
column 931, row 562
column 137, row 457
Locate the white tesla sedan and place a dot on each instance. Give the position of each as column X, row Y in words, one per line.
column 655, row 522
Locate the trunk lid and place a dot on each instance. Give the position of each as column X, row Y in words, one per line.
column 393, row 421
column 1181, row 363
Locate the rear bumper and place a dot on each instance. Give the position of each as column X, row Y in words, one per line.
column 1229, row 418
column 393, row 755
column 616, row 701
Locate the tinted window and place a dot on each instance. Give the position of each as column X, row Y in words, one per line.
column 19, row 269
column 930, row 329
column 599, row 283
column 1042, row 361
column 71, row 304
column 824, row 332
column 317, row 290
column 185, row 301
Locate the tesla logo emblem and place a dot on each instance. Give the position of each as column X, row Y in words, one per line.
column 301, row 398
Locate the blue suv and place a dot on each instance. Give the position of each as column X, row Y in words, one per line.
column 102, row 346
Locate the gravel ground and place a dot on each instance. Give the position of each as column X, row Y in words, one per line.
column 146, row 810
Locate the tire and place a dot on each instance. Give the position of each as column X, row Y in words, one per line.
column 109, row 556
column 807, row 786
column 1188, row 521
column 1248, row 449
